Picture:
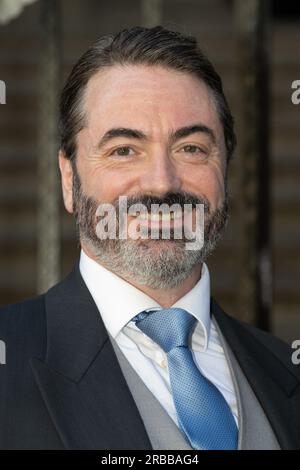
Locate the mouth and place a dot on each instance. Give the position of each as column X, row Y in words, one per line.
column 172, row 219
column 160, row 217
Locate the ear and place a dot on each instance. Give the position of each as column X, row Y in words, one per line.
column 66, row 172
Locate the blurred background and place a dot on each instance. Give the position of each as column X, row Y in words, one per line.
column 254, row 45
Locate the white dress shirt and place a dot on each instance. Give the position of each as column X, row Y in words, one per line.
column 119, row 301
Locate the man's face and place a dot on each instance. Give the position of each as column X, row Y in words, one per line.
column 172, row 151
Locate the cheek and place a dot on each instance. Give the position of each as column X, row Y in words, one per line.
column 216, row 183
column 210, row 182
column 105, row 186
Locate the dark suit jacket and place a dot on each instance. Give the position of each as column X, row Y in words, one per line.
column 62, row 386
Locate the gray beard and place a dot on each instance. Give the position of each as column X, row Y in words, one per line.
column 157, row 264
column 149, row 265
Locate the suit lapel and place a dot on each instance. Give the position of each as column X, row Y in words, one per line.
column 274, row 383
column 80, row 380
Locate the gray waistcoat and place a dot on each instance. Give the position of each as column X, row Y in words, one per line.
column 255, row 431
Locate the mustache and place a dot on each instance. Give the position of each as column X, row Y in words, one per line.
column 180, row 198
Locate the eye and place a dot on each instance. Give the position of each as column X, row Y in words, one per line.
column 122, row 151
column 193, row 149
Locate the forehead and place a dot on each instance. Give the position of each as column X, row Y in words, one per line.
column 142, row 95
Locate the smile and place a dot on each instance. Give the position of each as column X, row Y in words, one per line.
column 160, row 217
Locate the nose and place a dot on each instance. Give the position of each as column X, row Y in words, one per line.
column 160, row 176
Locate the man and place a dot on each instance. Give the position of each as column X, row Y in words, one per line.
column 129, row 351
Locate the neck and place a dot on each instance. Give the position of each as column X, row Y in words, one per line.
column 164, row 297
column 167, row 297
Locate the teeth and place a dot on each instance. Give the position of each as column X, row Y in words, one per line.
column 160, row 217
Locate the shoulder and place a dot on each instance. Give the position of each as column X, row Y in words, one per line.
column 273, row 350
column 272, row 342
column 259, row 344
column 23, row 325
column 21, row 311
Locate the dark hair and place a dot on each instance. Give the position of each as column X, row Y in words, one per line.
column 138, row 45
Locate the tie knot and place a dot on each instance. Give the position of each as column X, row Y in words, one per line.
column 169, row 328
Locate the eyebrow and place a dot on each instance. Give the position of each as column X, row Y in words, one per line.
column 174, row 136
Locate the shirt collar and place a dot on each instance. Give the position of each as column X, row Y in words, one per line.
column 118, row 301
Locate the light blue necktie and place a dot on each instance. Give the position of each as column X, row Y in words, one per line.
column 203, row 413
